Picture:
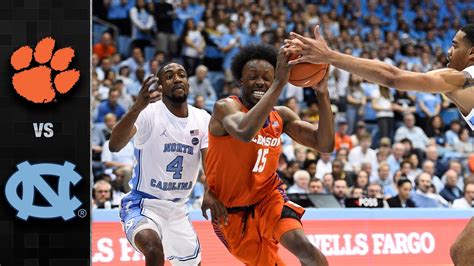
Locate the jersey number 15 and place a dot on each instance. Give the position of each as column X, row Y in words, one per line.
column 261, row 161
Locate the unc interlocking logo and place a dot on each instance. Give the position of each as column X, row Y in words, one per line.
column 62, row 205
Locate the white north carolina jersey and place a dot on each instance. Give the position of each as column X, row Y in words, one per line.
column 470, row 117
column 168, row 151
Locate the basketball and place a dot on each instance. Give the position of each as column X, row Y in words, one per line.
column 306, row 74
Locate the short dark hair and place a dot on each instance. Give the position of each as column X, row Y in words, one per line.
column 253, row 52
column 469, row 30
column 402, row 181
column 162, row 68
column 307, row 163
column 315, row 179
column 455, row 122
column 406, row 140
column 406, row 161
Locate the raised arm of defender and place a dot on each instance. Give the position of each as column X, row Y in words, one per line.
column 316, row 51
column 227, row 118
column 125, row 128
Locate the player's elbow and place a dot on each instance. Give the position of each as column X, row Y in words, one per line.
column 114, row 146
column 326, row 147
column 390, row 76
column 390, row 80
column 114, row 149
column 323, row 145
column 245, row 136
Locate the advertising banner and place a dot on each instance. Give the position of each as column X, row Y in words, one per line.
column 358, row 242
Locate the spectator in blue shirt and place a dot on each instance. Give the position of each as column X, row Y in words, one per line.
column 452, row 134
column 118, row 14
column 427, row 106
column 422, row 196
column 252, row 37
column 110, row 106
column 185, row 11
column 213, row 56
column 230, row 46
column 137, row 60
column 433, row 40
column 418, row 32
column 143, row 25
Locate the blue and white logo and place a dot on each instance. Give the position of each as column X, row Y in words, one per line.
column 62, row 205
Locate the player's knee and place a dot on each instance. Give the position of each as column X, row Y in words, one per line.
column 150, row 246
column 153, row 249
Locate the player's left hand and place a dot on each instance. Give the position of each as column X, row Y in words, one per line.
column 218, row 210
column 322, row 86
column 311, row 50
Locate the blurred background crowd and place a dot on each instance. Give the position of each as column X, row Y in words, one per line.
column 407, row 149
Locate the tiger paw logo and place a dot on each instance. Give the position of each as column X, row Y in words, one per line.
column 35, row 83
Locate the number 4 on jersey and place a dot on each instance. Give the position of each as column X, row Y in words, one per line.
column 176, row 167
column 261, row 160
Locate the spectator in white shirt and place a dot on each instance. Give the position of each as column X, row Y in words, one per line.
column 465, row 145
column 363, row 153
column 465, row 202
column 415, row 134
column 301, row 178
column 200, row 84
column 324, row 165
column 394, row 160
column 114, row 160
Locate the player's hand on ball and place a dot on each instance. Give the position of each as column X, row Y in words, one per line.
column 282, row 71
column 322, row 86
column 311, row 50
column 218, row 210
column 147, row 96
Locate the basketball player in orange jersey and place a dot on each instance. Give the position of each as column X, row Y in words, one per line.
column 456, row 82
column 249, row 209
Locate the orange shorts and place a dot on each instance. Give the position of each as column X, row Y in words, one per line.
column 255, row 242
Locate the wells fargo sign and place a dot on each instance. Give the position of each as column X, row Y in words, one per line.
column 357, row 242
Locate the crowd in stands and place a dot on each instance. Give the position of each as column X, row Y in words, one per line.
column 409, row 149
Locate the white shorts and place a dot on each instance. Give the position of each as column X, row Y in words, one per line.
column 171, row 222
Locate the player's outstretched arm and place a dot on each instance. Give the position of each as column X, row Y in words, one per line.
column 125, row 129
column 320, row 138
column 317, row 51
column 244, row 126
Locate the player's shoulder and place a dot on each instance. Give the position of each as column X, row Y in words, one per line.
column 153, row 107
column 285, row 113
column 445, row 70
column 198, row 112
column 452, row 78
column 224, row 105
column 152, row 110
column 199, row 116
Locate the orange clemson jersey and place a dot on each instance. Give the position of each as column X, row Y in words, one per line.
column 241, row 173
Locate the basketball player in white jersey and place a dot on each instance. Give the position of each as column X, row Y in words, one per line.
column 456, row 82
column 170, row 139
